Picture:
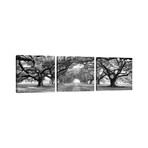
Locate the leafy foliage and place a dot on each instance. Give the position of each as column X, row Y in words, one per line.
column 34, row 68
column 64, row 64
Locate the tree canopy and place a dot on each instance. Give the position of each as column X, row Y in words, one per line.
column 65, row 63
column 35, row 68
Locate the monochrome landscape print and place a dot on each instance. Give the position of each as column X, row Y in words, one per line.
column 35, row 73
column 113, row 73
column 75, row 73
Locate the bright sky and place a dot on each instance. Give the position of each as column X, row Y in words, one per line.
column 76, row 81
column 78, row 66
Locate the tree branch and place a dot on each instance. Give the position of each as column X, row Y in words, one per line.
column 122, row 75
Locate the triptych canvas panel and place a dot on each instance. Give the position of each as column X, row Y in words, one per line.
column 75, row 73
column 39, row 73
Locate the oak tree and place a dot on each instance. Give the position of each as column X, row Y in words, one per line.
column 34, row 68
column 113, row 68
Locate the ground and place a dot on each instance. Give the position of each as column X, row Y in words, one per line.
column 119, row 87
column 25, row 88
column 75, row 87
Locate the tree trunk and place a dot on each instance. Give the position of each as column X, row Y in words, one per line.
column 112, row 82
column 52, row 82
column 91, row 81
column 98, row 81
column 40, row 82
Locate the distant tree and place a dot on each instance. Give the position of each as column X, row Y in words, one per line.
column 89, row 71
column 86, row 74
column 70, row 76
column 113, row 68
column 34, row 68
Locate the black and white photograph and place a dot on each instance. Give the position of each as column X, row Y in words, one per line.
column 113, row 73
column 75, row 73
column 35, row 73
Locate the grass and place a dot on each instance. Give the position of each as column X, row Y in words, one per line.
column 29, row 88
column 101, row 88
column 75, row 87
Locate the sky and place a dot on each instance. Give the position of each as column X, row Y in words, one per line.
column 78, row 66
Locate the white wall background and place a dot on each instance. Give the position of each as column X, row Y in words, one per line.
column 107, row 119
